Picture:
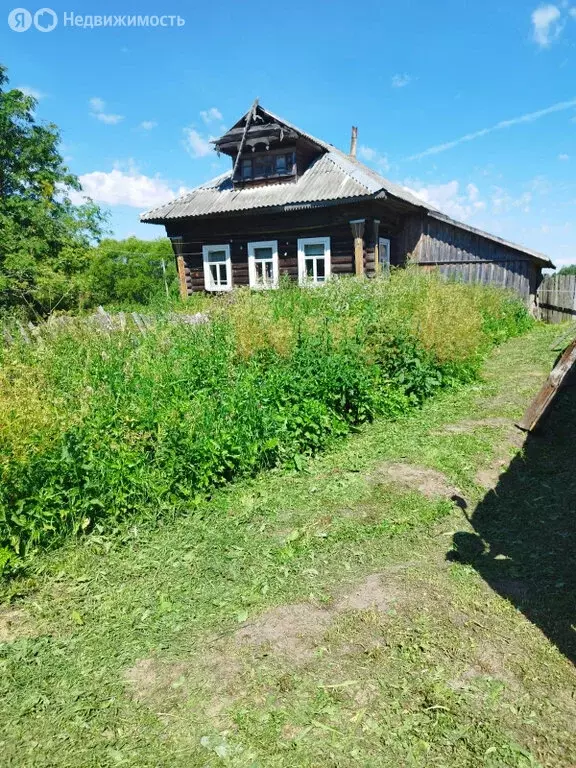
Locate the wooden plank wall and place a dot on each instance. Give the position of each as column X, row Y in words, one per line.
column 557, row 298
column 469, row 257
column 513, row 275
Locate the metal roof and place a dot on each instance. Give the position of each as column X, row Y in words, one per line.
column 326, row 179
column 332, row 177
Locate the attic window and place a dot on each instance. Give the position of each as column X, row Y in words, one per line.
column 246, row 169
column 266, row 165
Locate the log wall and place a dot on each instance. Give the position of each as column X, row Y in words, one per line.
column 286, row 228
column 414, row 237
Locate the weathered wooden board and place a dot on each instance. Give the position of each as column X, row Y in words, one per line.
column 557, row 298
column 544, row 399
column 100, row 321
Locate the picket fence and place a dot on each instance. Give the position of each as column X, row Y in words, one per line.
column 557, row 299
column 17, row 331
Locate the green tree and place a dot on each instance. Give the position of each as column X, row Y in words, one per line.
column 132, row 270
column 45, row 239
column 569, row 270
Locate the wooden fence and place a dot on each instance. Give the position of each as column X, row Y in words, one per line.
column 557, row 299
column 100, row 321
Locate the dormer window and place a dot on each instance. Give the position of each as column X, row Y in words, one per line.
column 266, row 150
column 246, row 169
column 267, row 165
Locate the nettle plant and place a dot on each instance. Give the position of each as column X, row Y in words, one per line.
column 103, row 428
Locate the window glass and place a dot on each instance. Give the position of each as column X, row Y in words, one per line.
column 314, row 249
column 246, row 169
column 217, row 256
column 219, row 274
column 263, row 253
column 262, row 165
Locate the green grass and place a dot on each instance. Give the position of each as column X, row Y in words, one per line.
column 100, row 430
column 123, row 649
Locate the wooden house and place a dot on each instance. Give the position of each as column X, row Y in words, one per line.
column 293, row 204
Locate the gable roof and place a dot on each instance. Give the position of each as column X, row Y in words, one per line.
column 331, row 178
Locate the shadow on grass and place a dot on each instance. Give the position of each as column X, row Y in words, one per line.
column 524, row 544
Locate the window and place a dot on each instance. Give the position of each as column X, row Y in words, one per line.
column 217, row 267
column 384, row 255
column 263, row 264
column 246, row 169
column 264, row 165
column 313, row 259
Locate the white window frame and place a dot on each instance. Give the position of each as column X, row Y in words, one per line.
column 273, row 244
column 384, row 264
column 208, row 282
column 303, row 278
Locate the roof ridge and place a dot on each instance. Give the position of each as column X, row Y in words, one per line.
column 324, row 144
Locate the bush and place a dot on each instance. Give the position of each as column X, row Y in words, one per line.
column 100, row 428
column 130, row 271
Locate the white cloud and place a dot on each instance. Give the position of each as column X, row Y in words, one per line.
column 529, row 117
column 211, row 115
column 540, row 185
column 449, row 198
column 572, row 12
column 546, row 24
column 503, row 202
column 401, row 80
column 96, row 104
column 108, row 119
column 196, row 144
column 563, row 156
column 373, row 157
column 97, row 107
column 148, row 125
column 125, row 187
column 28, row 91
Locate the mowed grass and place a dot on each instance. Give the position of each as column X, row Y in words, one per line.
column 312, row 618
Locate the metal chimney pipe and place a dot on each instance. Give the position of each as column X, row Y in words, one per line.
column 353, row 141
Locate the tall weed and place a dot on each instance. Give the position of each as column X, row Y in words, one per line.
column 98, row 428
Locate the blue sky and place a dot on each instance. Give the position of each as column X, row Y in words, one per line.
column 472, row 105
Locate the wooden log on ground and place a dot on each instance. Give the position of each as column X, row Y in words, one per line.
column 104, row 318
column 541, row 404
